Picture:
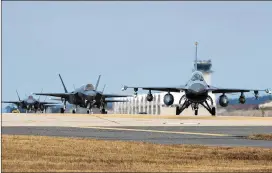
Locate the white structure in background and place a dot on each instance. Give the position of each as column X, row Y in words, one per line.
column 267, row 105
column 156, row 107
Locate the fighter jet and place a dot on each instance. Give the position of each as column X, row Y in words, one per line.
column 31, row 104
column 86, row 96
column 196, row 93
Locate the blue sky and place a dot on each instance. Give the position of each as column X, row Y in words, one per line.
column 133, row 43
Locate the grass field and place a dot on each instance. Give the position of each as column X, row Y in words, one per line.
column 267, row 137
column 39, row 154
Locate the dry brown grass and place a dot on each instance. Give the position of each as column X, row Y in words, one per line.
column 36, row 154
column 267, row 137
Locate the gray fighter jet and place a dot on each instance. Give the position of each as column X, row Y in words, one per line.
column 86, row 96
column 31, row 104
column 196, row 93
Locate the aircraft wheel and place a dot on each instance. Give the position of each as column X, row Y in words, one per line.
column 103, row 111
column 196, row 112
column 88, row 111
column 74, row 111
column 62, row 110
column 213, row 111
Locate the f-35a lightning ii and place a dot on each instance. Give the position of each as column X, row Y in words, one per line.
column 31, row 104
column 86, row 96
column 196, row 93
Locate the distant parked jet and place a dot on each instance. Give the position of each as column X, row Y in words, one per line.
column 31, row 104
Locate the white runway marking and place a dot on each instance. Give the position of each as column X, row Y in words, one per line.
column 155, row 131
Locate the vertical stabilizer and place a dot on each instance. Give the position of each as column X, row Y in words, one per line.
column 63, row 84
column 18, row 95
column 104, row 88
column 40, row 95
column 97, row 83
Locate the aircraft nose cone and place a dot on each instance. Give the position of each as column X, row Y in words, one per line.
column 30, row 101
column 197, row 88
column 88, row 94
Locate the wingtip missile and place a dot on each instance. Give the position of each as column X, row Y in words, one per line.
column 268, row 91
column 124, row 88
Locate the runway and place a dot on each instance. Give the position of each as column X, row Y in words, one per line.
column 219, row 136
column 154, row 130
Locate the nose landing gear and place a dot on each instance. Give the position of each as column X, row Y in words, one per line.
column 195, row 107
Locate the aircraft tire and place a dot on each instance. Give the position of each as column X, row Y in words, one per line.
column 196, row 112
column 62, row 110
column 213, row 112
column 103, row 111
column 74, row 111
column 88, row 111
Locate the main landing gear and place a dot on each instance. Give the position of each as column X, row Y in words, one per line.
column 90, row 111
column 74, row 111
column 195, row 106
column 62, row 110
column 185, row 104
column 103, row 111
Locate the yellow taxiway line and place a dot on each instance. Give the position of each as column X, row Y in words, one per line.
column 155, row 131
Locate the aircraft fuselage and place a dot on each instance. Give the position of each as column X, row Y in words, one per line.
column 197, row 91
column 82, row 98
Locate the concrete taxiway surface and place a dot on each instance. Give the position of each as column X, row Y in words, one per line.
column 226, row 131
column 79, row 120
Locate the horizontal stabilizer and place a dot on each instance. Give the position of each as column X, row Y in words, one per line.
column 62, row 95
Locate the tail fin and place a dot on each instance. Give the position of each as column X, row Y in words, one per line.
column 103, row 88
column 45, row 98
column 18, row 95
column 97, row 83
column 40, row 95
column 195, row 65
column 63, row 84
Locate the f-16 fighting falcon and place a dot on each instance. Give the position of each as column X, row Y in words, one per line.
column 31, row 104
column 86, row 97
column 196, row 93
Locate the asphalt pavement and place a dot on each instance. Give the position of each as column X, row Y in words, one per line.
column 204, row 135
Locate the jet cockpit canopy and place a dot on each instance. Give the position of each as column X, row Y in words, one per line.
column 30, row 98
column 197, row 76
column 88, row 87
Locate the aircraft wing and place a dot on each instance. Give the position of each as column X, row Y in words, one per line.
column 14, row 102
column 62, row 95
column 49, row 103
column 166, row 89
column 233, row 90
column 112, row 101
column 115, row 95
